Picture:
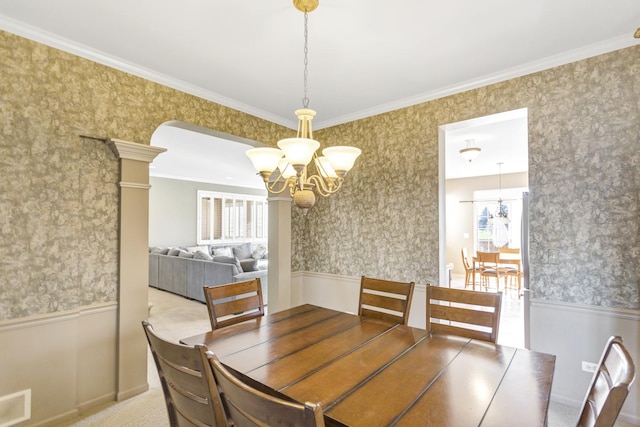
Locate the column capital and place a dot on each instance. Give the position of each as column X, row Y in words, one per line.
column 135, row 151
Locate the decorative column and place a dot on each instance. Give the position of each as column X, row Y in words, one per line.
column 279, row 253
column 133, row 297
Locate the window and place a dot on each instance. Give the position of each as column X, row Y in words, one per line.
column 225, row 217
column 490, row 232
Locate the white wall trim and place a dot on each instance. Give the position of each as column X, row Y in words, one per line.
column 619, row 313
column 123, row 184
column 61, row 316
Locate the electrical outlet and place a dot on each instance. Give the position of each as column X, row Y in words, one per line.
column 589, row 367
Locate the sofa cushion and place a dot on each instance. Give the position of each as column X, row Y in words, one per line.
column 222, row 251
column 185, row 254
column 243, row 251
column 259, row 252
column 229, row 260
column 161, row 251
column 249, row 264
column 202, row 255
column 194, row 249
column 174, row 252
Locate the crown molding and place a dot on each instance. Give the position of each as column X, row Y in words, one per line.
column 49, row 39
column 32, row 33
column 508, row 74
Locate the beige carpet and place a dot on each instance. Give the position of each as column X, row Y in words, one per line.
column 175, row 317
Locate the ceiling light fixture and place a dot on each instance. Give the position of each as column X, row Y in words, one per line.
column 471, row 151
column 298, row 152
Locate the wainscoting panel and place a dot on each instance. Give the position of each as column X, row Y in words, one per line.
column 66, row 359
column 576, row 333
column 342, row 293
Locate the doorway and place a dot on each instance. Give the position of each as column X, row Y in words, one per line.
column 500, row 170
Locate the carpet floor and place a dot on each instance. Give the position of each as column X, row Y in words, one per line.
column 174, row 317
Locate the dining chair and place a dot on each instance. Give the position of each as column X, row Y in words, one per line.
column 489, row 266
column 248, row 407
column 189, row 388
column 471, row 314
column 469, row 270
column 509, row 250
column 609, row 386
column 385, row 299
column 234, row 303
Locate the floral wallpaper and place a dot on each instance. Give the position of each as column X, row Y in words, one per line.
column 58, row 191
column 584, row 159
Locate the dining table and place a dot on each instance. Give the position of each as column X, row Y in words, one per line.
column 506, row 260
column 369, row 372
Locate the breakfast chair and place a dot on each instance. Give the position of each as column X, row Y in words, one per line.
column 385, row 299
column 609, row 386
column 489, row 266
column 234, row 303
column 471, row 314
column 469, row 270
column 189, row 388
column 249, row 407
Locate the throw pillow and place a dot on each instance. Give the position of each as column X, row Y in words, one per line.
column 161, row 251
column 185, row 254
column 249, row 265
column 225, row 251
column 259, row 252
column 173, row 252
column 229, row 260
column 195, row 249
column 202, row 255
column 243, row 251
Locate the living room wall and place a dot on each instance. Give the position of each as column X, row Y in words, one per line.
column 173, row 209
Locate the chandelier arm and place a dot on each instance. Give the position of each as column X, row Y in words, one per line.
column 273, row 188
column 323, row 187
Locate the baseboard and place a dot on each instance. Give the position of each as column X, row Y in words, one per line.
column 124, row 395
column 94, row 403
column 57, row 420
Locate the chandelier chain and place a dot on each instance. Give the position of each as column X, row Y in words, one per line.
column 305, row 100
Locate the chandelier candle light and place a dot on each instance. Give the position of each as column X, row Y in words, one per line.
column 293, row 157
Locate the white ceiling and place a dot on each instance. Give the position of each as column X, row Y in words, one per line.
column 365, row 56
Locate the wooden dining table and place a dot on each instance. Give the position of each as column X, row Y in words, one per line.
column 368, row 372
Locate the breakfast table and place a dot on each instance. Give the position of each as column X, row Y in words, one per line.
column 368, row 372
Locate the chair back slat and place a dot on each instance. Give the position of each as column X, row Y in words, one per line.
column 249, row 407
column 385, row 299
column 234, row 303
column 609, row 386
column 465, row 313
column 189, row 388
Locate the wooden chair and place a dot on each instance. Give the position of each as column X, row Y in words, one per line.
column 509, row 250
column 247, row 406
column 190, row 391
column 489, row 266
column 386, row 300
column 512, row 273
column 466, row 312
column 609, row 386
column 234, row 303
column 469, row 271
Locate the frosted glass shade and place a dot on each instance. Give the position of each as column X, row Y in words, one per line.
column 286, row 170
column 298, row 151
column 324, row 167
column 470, row 153
column 342, row 157
column 265, row 159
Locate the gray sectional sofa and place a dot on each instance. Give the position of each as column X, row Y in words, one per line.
column 185, row 271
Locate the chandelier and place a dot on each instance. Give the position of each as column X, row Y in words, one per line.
column 293, row 158
column 471, row 151
column 501, row 214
